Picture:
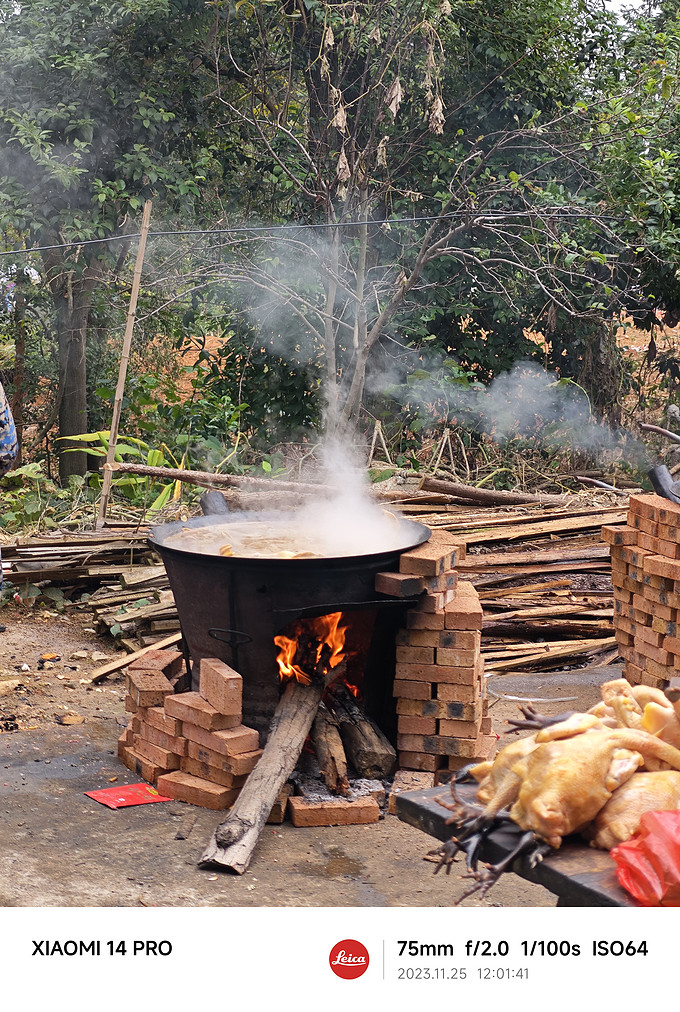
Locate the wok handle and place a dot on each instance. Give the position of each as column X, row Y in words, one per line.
column 213, row 503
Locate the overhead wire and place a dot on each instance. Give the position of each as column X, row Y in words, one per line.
column 478, row 216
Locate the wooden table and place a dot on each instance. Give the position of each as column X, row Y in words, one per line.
column 577, row 874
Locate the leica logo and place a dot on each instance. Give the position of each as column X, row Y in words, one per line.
column 342, row 958
column 348, row 959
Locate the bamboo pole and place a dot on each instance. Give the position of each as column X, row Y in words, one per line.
column 124, row 360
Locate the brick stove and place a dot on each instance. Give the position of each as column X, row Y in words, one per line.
column 191, row 739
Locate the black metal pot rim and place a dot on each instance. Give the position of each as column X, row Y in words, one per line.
column 158, row 535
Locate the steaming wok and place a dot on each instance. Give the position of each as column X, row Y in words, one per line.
column 268, row 536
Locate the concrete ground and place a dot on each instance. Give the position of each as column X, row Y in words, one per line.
column 61, row 848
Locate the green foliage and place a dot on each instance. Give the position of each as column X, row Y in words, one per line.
column 31, row 500
column 136, row 488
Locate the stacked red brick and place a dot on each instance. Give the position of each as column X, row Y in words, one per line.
column 645, row 557
column 191, row 745
column 442, row 710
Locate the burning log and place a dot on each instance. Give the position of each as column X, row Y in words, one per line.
column 310, row 662
column 367, row 748
column 330, row 752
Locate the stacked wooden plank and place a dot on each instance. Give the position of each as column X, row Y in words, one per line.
column 645, row 556
column 191, row 745
column 442, row 713
column 543, row 577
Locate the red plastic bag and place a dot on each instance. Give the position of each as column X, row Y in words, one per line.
column 648, row 865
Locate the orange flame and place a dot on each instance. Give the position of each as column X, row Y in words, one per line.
column 327, row 630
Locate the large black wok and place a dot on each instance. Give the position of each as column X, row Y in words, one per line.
column 233, row 607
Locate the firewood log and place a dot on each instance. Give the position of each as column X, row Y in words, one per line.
column 367, row 748
column 233, row 842
column 330, row 752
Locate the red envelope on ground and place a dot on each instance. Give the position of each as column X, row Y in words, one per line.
column 123, row 797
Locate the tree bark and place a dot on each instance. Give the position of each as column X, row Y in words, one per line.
column 233, row 842
column 73, row 301
column 491, row 497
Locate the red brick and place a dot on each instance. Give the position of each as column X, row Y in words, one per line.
column 441, row 584
column 646, row 505
column 619, row 535
column 236, row 764
column 434, row 557
column 416, row 725
column 669, row 533
column 201, row 769
column 399, row 584
column 404, row 689
column 486, row 749
column 233, row 741
column 634, row 556
column 333, row 812
column 155, row 716
column 459, row 693
column 459, row 728
column 664, row 624
column 407, row 780
column 145, row 769
column 191, row 708
column 463, row 613
column 460, row 639
column 161, row 757
column 221, row 686
column 441, row 708
column 440, row 673
column 469, row 748
column 656, row 565
column 420, row 761
column 422, row 620
column 649, row 544
column 172, row 743
column 415, row 655
column 453, row 658
column 670, row 549
column 185, row 787
column 147, row 688
column 418, row 638
column 168, row 662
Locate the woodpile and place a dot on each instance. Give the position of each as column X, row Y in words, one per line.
column 645, row 556
column 543, row 579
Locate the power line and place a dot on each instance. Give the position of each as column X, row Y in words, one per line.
column 476, row 217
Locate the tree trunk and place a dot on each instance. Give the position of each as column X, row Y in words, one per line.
column 72, row 300
column 17, row 404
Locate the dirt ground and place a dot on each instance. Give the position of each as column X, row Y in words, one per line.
column 61, row 848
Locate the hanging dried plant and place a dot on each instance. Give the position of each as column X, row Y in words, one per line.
column 436, row 118
column 394, row 96
column 375, row 36
column 328, row 39
column 339, row 121
column 381, row 153
column 343, row 171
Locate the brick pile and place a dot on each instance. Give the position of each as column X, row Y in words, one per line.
column 191, row 745
column 443, row 720
column 645, row 554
